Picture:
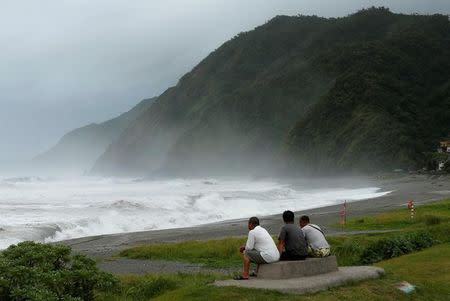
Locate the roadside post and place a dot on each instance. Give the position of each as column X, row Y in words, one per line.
column 411, row 209
column 343, row 214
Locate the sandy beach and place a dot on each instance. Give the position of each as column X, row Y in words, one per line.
column 420, row 188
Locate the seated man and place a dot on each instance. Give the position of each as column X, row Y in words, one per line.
column 317, row 243
column 291, row 242
column 260, row 248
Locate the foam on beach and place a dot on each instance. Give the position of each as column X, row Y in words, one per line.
column 57, row 209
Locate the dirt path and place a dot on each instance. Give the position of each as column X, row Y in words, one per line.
column 140, row 267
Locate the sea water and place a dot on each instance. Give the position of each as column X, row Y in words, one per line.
column 46, row 209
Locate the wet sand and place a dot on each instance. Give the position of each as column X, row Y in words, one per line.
column 420, row 188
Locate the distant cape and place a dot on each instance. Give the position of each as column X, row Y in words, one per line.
column 76, row 152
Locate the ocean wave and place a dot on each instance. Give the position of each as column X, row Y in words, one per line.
column 124, row 205
column 65, row 209
column 23, row 180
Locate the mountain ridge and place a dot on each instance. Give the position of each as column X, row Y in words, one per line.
column 305, row 94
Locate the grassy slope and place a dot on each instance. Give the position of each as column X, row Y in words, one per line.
column 428, row 270
column 400, row 219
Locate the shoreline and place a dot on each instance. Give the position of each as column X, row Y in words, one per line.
column 421, row 188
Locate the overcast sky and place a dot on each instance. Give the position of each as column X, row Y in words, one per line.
column 64, row 64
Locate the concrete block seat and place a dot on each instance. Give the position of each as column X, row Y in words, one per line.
column 298, row 268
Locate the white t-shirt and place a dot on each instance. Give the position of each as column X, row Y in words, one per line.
column 260, row 240
column 314, row 238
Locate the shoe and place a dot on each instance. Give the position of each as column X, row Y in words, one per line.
column 240, row 277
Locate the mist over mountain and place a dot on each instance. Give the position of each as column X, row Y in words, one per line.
column 77, row 151
column 365, row 92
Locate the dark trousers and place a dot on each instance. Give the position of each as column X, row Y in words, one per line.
column 286, row 256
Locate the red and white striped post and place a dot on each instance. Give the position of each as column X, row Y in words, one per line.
column 344, row 214
column 412, row 210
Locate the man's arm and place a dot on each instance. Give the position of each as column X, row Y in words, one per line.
column 305, row 235
column 281, row 244
column 281, row 240
column 250, row 245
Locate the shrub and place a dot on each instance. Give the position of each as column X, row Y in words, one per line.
column 349, row 252
column 40, row 272
column 396, row 246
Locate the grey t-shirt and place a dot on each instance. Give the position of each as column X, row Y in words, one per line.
column 295, row 243
column 314, row 237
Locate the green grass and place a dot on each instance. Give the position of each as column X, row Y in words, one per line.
column 212, row 253
column 425, row 215
column 427, row 269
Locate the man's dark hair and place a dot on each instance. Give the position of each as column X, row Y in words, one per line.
column 288, row 216
column 304, row 218
column 254, row 221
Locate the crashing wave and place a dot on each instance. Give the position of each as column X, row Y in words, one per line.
column 123, row 204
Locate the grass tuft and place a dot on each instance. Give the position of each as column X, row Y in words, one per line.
column 212, row 253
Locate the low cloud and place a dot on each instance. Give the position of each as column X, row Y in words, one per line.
column 68, row 63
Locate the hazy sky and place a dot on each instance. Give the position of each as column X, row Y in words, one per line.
column 64, row 64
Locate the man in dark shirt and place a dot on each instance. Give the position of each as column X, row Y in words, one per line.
column 291, row 242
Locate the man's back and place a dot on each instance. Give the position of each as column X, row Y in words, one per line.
column 315, row 237
column 294, row 240
column 259, row 239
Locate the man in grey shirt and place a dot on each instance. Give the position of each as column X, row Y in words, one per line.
column 317, row 243
column 291, row 241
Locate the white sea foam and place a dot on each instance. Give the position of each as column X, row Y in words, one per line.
column 50, row 209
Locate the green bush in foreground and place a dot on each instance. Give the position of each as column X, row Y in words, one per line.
column 40, row 272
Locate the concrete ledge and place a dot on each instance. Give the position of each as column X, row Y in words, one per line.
column 296, row 269
column 310, row 284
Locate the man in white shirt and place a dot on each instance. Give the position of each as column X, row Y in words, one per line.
column 317, row 243
column 260, row 248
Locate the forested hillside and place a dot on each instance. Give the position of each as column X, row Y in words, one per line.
column 366, row 92
column 391, row 99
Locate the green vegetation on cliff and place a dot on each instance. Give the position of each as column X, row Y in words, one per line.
column 365, row 92
column 391, row 100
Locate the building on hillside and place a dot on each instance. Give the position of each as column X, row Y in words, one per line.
column 444, row 146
